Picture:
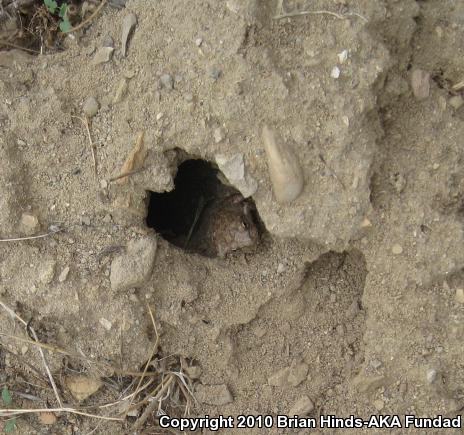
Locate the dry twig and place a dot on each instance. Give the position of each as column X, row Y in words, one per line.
column 44, row 360
column 85, row 121
column 40, row 236
column 321, row 12
column 90, row 18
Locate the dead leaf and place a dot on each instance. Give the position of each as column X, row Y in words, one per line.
column 135, row 158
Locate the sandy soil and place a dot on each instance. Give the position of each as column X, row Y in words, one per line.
column 351, row 298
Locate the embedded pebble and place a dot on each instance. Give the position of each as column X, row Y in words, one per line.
column 121, row 91
column 29, row 224
column 108, row 41
column 217, row 395
column 397, row 249
column 128, row 24
column 47, row 272
column 47, row 418
column 219, row 135
column 167, row 81
column 431, row 376
column 64, row 274
column 82, row 387
column 456, row 102
column 280, row 268
column 106, row 324
column 214, row 73
column 420, row 84
column 343, row 56
column 335, row 73
column 378, row 404
column 134, row 267
column 193, row 372
column 234, row 170
column 90, row 107
column 289, row 376
column 284, row 168
column 198, row 42
column 460, row 295
column 302, row 407
column 103, row 55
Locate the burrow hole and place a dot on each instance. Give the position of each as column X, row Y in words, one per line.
column 203, row 214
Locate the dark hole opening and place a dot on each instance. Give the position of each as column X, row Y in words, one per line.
column 202, row 214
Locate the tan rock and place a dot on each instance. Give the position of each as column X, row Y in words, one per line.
column 284, row 168
column 82, row 387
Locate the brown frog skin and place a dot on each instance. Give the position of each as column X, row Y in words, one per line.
column 227, row 225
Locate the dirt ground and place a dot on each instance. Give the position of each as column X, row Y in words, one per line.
column 351, row 302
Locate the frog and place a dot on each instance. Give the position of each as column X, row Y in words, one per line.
column 225, row 226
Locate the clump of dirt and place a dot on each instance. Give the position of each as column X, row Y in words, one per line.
column 342, row 297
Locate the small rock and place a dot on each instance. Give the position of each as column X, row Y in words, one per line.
column 301, row 407
column 108, row 41
column 219, row 135
column 368, row 384
column 214, row 73
column 217, row 395
column 335, row 73
column 167, row 81
column 279, row 379
column 47, row 272
column 106, row 324
column 29, row 224
column 420, row 83
column 397, row 249
column 297, row 374
column 47, row 418
column 378, row 404
column 128, row 24
column 121, row 91
column 103, row 184
column 456, row 102
column 460, row 295
column 343, row 56
column 431, row 375
column 103, row 55
column 64, row 274
column 376, row 364
column 90, row 107
column 280, row 268
column 82, row 387
column 193, row 372
column 119, row 4
column 133, row 268
column 234, row 170
column 198, row 42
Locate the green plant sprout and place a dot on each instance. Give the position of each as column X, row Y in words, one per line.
column 10, row 425
column 52, row 6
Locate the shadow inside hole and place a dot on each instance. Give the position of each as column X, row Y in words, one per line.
column 191, row 216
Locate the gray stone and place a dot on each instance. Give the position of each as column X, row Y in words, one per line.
column 420, row 84
column 64, row 274
column 217, row 395
column 214, row 73
column 134, row 267
column 302, row 407
column 90, row 107
column 456, row 102
column 47, row 271
column 103, row 55
column 128, row 24
column 167, row 81
column 108, row 41
column 234, row 170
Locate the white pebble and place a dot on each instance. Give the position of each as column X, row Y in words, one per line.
column 335, row 73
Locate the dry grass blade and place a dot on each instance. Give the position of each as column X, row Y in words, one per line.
column 153, row 352
column 85, row 121
column 154, row 403
column 321, row 12
column 40, row 236
column 14, row 412
column 10, row 44
column 42, row 355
